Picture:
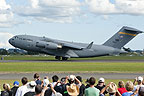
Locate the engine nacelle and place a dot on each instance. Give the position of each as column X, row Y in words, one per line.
column 50, row 45
column 47, row 45
column 40, row 44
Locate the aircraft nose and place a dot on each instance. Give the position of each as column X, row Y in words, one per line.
column 10, row 40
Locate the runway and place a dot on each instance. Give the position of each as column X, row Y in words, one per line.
column 72, row 61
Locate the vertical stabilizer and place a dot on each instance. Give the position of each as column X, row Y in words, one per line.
column 122, row 37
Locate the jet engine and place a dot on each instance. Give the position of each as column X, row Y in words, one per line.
column 51, row 45
column 47, row 45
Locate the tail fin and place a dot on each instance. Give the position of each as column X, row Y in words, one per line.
column 122, row 37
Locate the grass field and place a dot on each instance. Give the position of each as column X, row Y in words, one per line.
column 119, row 67
column 128, row 67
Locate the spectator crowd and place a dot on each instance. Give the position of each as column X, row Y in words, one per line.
column 72, row 86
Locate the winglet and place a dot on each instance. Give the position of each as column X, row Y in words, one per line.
column 90, row 45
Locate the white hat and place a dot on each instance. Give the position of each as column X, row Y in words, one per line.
column 72, row 77
column 101, row 80
column 140, row 78
column 46, row 82
column 32, row 84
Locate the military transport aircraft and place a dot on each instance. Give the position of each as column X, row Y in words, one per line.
column 64, row 49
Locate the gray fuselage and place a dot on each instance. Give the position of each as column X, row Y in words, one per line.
column 61, row 48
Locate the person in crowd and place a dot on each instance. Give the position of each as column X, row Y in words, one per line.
column 111, row 89
column 141, row 91
column 55, row 93
column 15, row 87
column 101, row 85
column 82, row 87
column 92, row 91
column 7, row 90
column 62, row 87
column 55, row 78
column 72, row 79
column 37, row 79
column 129, row 87
column 121, row 88
column 38, row 90
column 73, row 86
column 87, row 83
column 31, row 88
column 46, row 86
column 139, row 81
column 45, row 81
column 73, row 90
column 23, row 89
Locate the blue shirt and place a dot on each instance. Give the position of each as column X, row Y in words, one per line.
column 128, row 94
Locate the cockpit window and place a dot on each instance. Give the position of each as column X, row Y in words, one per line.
column 16, row 37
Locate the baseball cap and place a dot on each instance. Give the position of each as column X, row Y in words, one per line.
column 140, row 78
column 102, row 80
column 16, row 83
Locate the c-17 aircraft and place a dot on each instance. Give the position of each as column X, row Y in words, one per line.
column 64, row 49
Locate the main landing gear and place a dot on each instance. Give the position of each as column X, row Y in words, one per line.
column 61, row 58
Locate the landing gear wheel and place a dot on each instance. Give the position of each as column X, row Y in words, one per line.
column 58, row 57
column 64, row 58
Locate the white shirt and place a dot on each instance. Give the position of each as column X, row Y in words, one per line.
column 137, row 86
column 22, row 90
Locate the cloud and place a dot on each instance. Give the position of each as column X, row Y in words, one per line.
column 3, row 5
column 105, row 7
column 64, row 11
column 6, row 15
column 100, row 6
column 51, row 10
column 4, row 41
column 132, row 7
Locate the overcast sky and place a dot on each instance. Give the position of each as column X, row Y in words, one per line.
column 71, row 20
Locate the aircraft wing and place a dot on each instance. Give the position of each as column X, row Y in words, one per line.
column 72, row 46
column 77, row 47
